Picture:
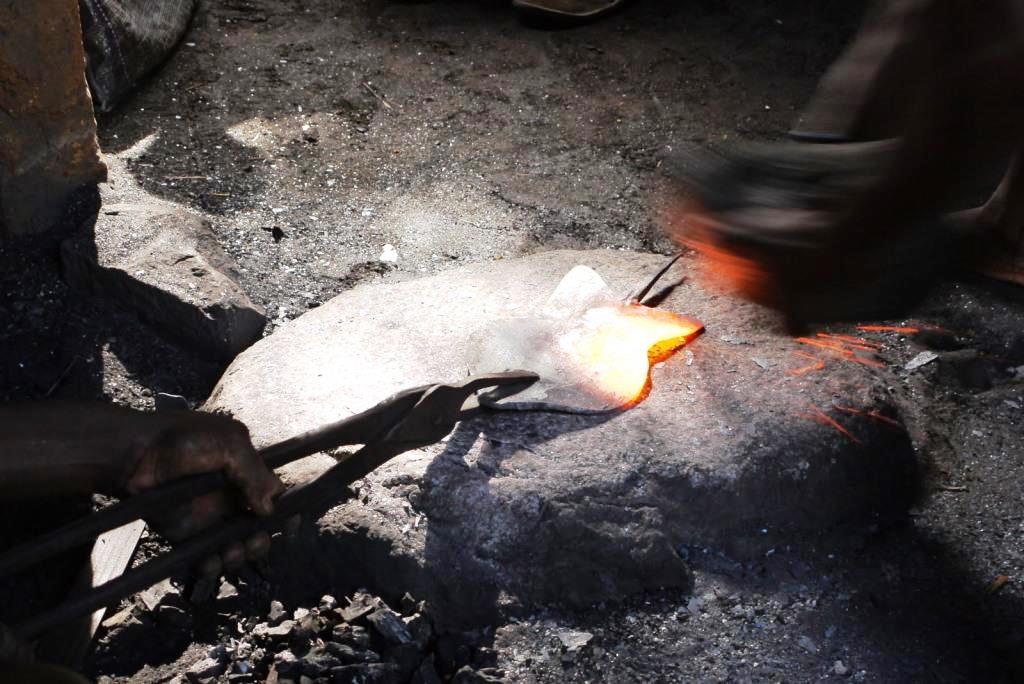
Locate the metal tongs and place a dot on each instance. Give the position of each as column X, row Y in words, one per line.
column 407, row 420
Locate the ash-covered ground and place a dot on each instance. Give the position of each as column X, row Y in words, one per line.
column 321, row 136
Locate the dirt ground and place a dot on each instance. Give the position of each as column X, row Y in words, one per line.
column 453, row 133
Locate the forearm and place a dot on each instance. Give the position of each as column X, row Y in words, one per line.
column 57, row 447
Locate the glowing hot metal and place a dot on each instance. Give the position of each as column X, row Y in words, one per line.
column 592, row 351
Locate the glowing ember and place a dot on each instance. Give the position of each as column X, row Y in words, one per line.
column 614, row 347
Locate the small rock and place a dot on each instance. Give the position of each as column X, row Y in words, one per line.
column 328, row 602
column 318, row 661
column 160, row 593
column 278, row 632
column 921, row 359
column 300, row 613
column 807, row 644
column 120, row 619
column 420, row 628
column 227, row 591
column 695, row 605
column 353, row 635
column 840, row 669
column 211, row 666
column 287, row 664
column 277, row 613
column 389, row 625
column 389, row 255
column 359, row 605
column 574, row 641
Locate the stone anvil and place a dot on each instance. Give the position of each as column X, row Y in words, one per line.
column 518, row 509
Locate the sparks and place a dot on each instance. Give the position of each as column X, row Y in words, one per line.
column 873, row 414
column 819, row 416
column 815, row 365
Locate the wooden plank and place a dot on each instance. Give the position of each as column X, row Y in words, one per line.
column 111, row 554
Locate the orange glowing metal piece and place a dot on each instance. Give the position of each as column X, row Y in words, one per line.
column 616, row 345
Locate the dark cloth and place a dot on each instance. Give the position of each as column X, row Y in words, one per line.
column 126, row 39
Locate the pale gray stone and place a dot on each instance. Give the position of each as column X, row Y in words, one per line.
column 163, row 262
column 518, row 509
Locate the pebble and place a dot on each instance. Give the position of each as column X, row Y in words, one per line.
column 574, row 641
column 211, row 666
column 840, row 669
column 921, row 359
column 389, row 625
column 277, row 613
column 227, row 591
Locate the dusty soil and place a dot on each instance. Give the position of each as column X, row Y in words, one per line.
column 452, row 132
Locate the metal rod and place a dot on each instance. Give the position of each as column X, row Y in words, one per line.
column 646, row 287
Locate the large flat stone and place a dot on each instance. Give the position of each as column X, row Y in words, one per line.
column 48, row 146
column 163, row 262
column 514, row 509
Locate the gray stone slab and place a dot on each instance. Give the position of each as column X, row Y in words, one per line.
column 727, row 452
column 163, row 262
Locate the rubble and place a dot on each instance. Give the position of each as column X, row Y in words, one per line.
column 317, row 645
column 213, row 665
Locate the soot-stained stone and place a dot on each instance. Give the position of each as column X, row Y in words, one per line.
column 515, row 509
column 163, row 262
